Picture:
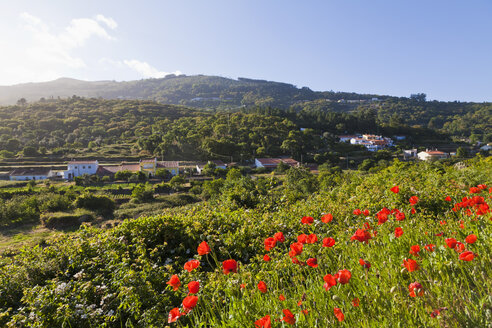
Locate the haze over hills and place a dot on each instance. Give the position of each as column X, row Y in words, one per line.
column 196, row 91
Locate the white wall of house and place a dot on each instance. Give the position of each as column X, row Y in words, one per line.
column 79, row 169
column 28, row 177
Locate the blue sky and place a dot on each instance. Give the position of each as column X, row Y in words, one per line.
column 442, row 48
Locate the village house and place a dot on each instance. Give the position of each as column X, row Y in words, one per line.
column 432, row 155
column 79, row 168
column 21, row 174
column 372, row 142
column 409, row 153
column 148, row 166
column 271, row 163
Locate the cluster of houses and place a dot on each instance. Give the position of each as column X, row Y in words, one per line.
column 372, row 142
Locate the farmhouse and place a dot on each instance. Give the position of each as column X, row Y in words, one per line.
column 148, row 166
column 79, row 168
column 273, row 162
column 30, row 174
column 432, row 155
column 372, row 142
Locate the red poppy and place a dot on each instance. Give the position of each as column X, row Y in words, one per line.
column 451, row 242
column 302, row 238
column 242, row 286
column 279, row 236
column 288, row 317
column 312, row 262
column 270, row 243
column 448, row 199
column 330, row 281
column 343, row 276
column 430, row 247
column 262, row 287
column 415, row 286
column 400, row 216
column 203, row 248
column 442, row 222
column 295, row 260
column 466, row 256
column 474, row 190
column 312, row 238
column 338, row 314
column 281, row 297
column 414, row 250
column 366, row 212
column 462, row 226
column 193, row 287
column 413, row 211
column 413, row 200
column 229, row 266
column 327, row 218
column 305, row 311
column 395, row 189
column 174, row 314
column 382, row 217
column 295, row 249
column 357, row 212
column 328, row 242
column 435, row 313
column 264, row 322
column 361, row 235
column 307, row 220
column 356, row 302
column 460, row 247
column 365, row 264
column 482, row 186
column 410, row 265
column 266, row 258
column 470, row 239
column 174, row 282
column 191, row 265
column 189, row 302
column 398, row 232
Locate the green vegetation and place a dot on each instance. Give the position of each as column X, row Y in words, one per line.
column 117, row 277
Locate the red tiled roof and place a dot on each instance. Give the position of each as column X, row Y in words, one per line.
column 435, row 152
column 269, row 161
column 148, row 160
column 168, row 164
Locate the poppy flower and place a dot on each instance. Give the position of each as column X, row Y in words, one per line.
column 312, row 238
column 357, row 212
column 279, row 236
column 312, row 262
column 203, row 248
column 288, row 317
column 366, row 212
column 330, row 281
column 413, row 211
column 414, row 250
column 191, row 265
column 262, row 287
column 482, row 186
column 266, row 258
column 295, row 260
column 193, row 287
column 413, row 200
column 302, row 238
column 242, row 286
column 328, row 242
column 343, row 276
column 442, row 222
column 410, row 265
column 270, row 243
column 430, row 247
column 470, row 239
column 460, row 247
column 474, row 190
column 229, row 266
column 451, row 242
column 296, row 249
column 415, row 286
column 361, row 235
column 281, row 297
column 448, row 199
column 365, row 264
column 189, row 302
column 400, row 216
column 382, row 217
column 307, row 220
column 174, row 314
column 356, row 302
column 264, row 322
column 395, row 189
column 398, row 232
column 462, row 226
column 327, row 218
column 466, row 256
column 338, row 314
column 174, row 282
column 305, row 311
column 435, row 313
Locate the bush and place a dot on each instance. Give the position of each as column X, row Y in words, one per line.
column 100, row 204
column 143, row 193
column 64, row 220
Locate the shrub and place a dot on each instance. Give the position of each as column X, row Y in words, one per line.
column 100, row 204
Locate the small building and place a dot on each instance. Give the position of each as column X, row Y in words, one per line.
column 79, row 168
column 23, row 174
column 271, row 163
column 347, row 138
column 409, row 153
column 432, row 155
column 148, row 166
column 172, row 166
column 218, row 164
column 487, row 147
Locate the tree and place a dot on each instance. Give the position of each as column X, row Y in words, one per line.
column 461, row 152
column 418, row 97
column 162, row 173
column 30, row 151
column 22, row 102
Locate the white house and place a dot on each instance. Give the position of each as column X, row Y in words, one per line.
column 432, row 155
column 273, row 162
column 79, row 168
column 409, row 153
column 346, row 138
column 30, row 174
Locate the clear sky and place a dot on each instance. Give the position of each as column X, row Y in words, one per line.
column 395, row 47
